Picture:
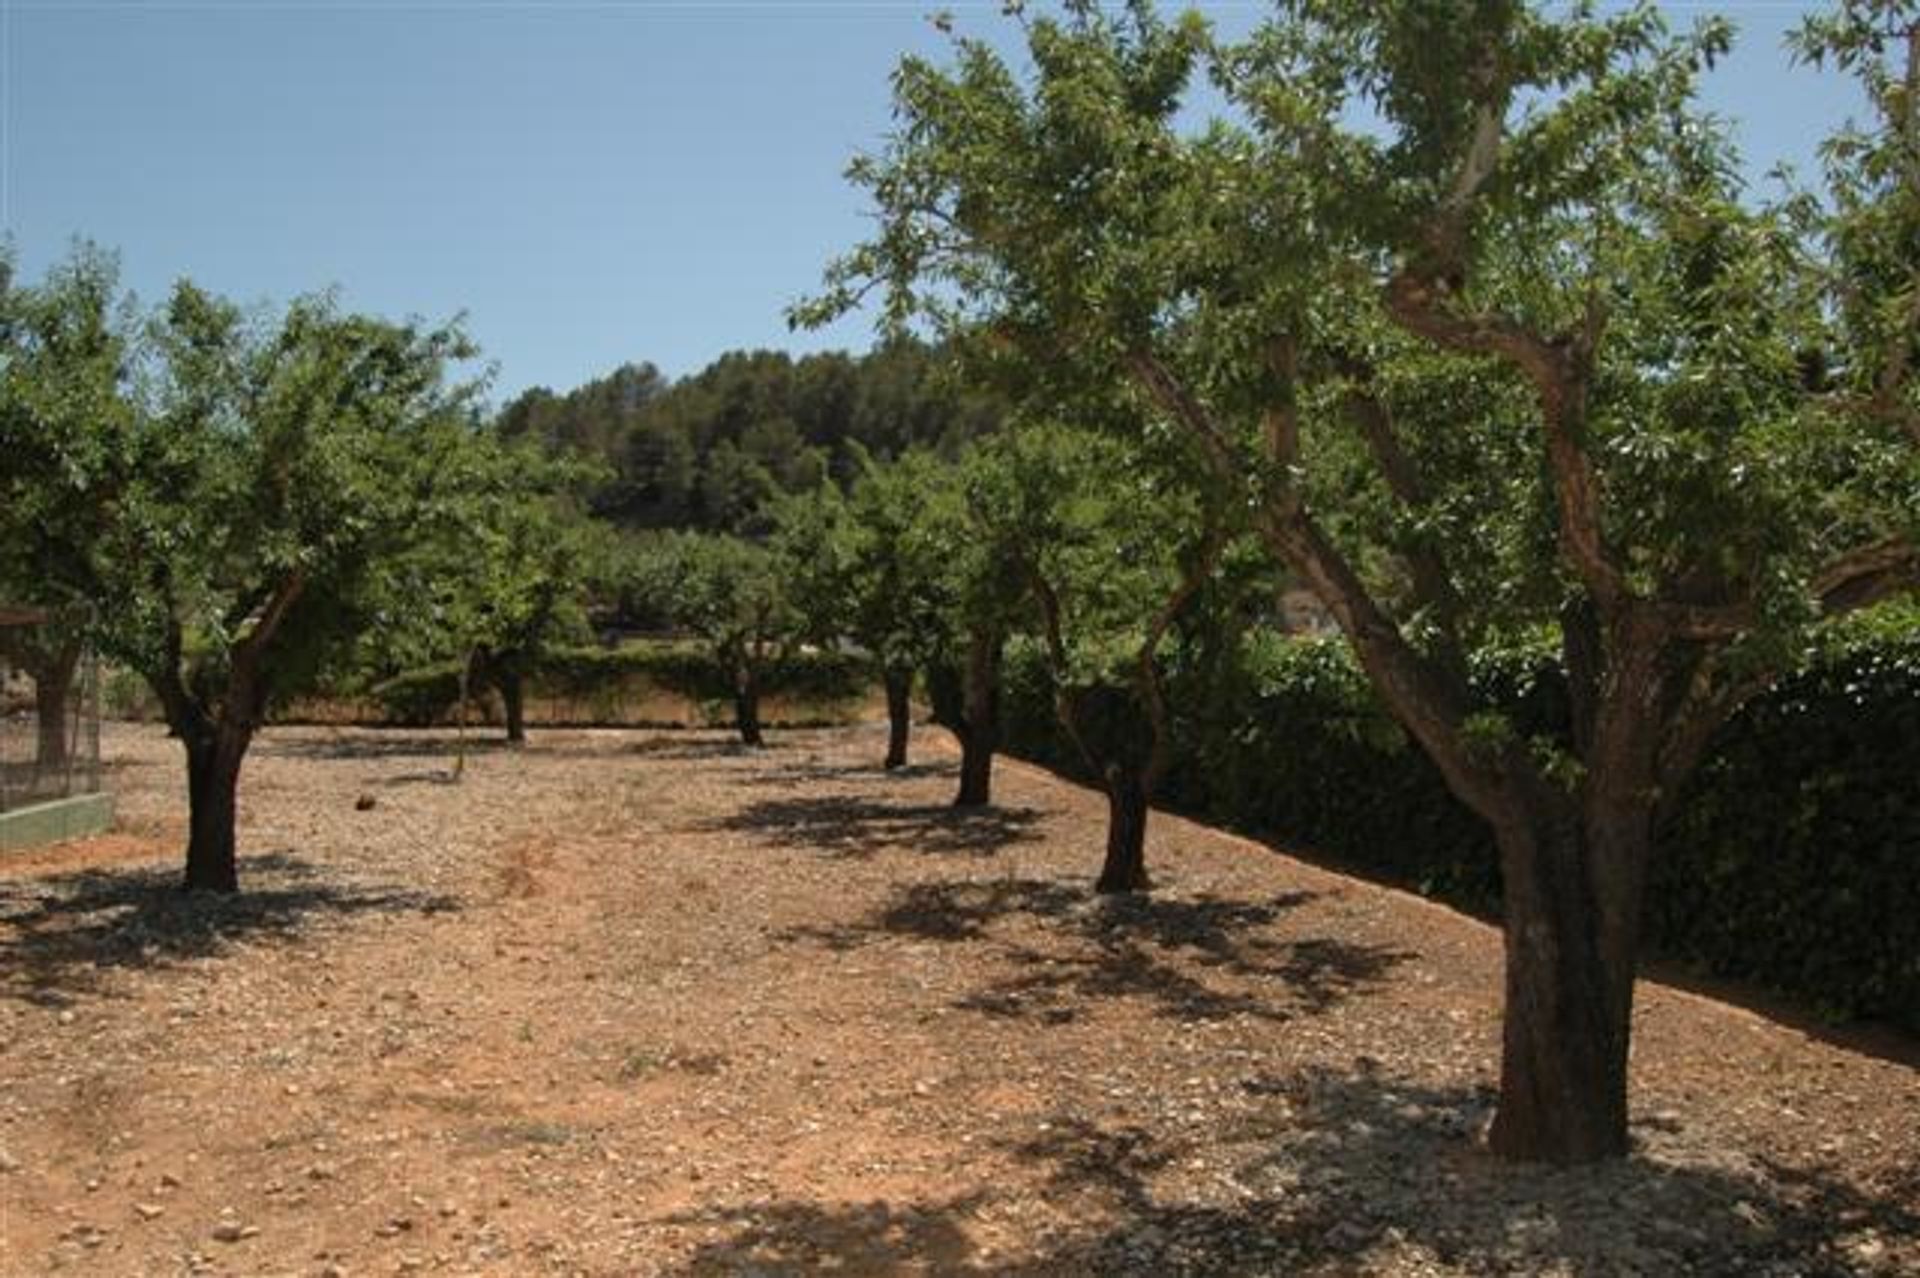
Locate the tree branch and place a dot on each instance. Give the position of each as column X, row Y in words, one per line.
column 1171, row 395
column 1147, row 673
column 1432, row 582
column 1558, row 368
column 1066, row 704
column 1866, row 575
column 1431, row 702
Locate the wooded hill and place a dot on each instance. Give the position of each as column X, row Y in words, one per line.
column 708, row 450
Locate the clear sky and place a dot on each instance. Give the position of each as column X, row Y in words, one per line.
column 590, row 181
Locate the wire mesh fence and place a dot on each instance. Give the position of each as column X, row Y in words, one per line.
column 49, row 707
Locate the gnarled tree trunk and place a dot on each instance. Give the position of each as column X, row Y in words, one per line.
column 513, row 698
column 979, row 729
column 746, row 706
column 1125, row 869
column 1573, row 876
column 214, row 755
column 899, row 685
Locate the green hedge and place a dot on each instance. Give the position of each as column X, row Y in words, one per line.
column 1795, row 862
column 599, row 683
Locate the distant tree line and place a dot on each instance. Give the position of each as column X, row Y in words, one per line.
column 710, row 450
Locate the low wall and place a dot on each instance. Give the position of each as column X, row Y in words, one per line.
column 70, row 818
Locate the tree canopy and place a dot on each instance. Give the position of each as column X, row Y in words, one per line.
column 1470, row 302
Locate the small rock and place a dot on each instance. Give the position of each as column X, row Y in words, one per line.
column 228, row 1231
column 148, row 1211
column 169, row 1181
column 365, row 803
column 66, row 1016
column 8, row 1163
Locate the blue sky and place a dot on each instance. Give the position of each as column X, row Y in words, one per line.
column 590, row 182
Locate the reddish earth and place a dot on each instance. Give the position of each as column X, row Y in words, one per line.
column 640, row 1002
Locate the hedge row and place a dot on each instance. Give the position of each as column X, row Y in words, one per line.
column 621, row 685
column 1795, row 861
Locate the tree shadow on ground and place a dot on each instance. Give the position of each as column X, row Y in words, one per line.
column 59, row 933
column 1158, row 949
column 1324, row 1173
column 692, row 747
column 387, row 744
column 865, row 768
column 796, row 1237
column 849, row 826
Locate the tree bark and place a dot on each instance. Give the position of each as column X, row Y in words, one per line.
column 213, row 778
column 52, row 679
column 979, row 731
column 746, row 708
column 1125, row 869
column 513, row 698
column 1573, row 887
column 899, row 715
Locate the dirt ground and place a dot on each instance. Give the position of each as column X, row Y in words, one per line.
column 643, row 1003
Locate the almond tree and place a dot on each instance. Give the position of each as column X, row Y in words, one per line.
column 271, row 466
column 1110, row 548
column 495, row 573
column 731, row 593
column 903, row 521
column 66, row 347
column 1469, row 300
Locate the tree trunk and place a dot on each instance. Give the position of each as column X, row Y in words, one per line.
column 213, row 779
column 52, row 680
column 1126, row 865
column 1572, row 903
column 460, row 730
column 513, row 697
column 980, row 732
column 899, row 716
column 746, row 708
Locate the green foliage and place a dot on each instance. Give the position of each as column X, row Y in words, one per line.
column 66, row 422
column 728, row 591
column 711, row 450
column 604, row 680
column 499, row 563
column 1108, row 543
column 220, row 487
column 904, row 519
column 1795, row 860
column 1792, row 862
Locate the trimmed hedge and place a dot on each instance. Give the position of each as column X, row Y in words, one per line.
column 1795, row 862
column 603, row 684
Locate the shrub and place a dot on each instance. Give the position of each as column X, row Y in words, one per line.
column 606, row 685
column 1794, row 861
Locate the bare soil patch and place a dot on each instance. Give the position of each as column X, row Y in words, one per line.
column 648, row 1003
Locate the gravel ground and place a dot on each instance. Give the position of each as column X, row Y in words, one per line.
column 645, row 1003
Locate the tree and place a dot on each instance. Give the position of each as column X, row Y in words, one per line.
column 986, row 605
column 904, row 519
column 730, row 593
column 496, row 571
column 1518, row 358
column 709, row 450
column 269, row 468
column 65, row 354
column 1111, row 548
